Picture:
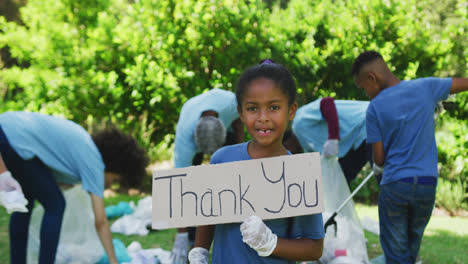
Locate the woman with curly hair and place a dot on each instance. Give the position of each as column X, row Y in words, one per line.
column 42, row 151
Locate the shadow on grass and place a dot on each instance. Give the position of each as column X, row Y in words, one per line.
column 439, row 246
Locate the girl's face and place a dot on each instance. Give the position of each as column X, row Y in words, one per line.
column 265, row 112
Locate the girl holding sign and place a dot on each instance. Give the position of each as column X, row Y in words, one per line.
column 266, row 103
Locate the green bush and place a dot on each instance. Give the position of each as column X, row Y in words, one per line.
column 452, row 143
column 134, row 63
column 369, row 193
column 451, row 195
column 452, row 140
column 319, row 40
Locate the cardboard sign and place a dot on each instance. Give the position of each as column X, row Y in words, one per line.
column 271, row 188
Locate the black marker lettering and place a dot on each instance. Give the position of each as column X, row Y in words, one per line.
column 283, row 178
column 219, row 197
column 289, row 194
column 316, row 194
column 242, row 196
column 182, row 194
column 170, row 188
column 209, row 192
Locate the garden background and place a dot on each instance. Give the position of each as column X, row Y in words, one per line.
column 134, row 63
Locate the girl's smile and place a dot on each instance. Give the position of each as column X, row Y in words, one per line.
column 263, row 131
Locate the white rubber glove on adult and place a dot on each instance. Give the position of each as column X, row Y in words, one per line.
column 8, row 183
column 377, row 169
column 13, row 201
column 180, row 248
column 11, row 194
column 258, row 236
column 330, row 148
column 198, row 255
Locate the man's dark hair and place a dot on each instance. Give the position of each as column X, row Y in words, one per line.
column 363, row 59
column 122, row 155
column 268, row 69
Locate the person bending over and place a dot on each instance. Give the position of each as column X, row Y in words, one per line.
column 42, row 151
column 336, row 128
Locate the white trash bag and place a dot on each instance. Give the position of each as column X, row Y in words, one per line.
column 137, row 222
column 78, row 242
column 348, row 245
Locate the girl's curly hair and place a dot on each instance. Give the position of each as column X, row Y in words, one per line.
column 122, row 155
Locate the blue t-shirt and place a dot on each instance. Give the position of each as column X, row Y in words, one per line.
column 228, row 246
column 402, row 117
column 221, row 101
column 312, row 130
column 62, row 145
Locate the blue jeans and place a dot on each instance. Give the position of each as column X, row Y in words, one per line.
column 38, row 184
column 404, row 211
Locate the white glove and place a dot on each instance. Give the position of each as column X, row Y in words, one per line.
column 377, row 169
column 8, row 183
column 198, row 255
column 11, row 194
column 330, row 148
column 258, row 236
column 13, row 201
column 180, row 248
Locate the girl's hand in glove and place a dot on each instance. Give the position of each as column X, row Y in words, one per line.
column 258, row 236
column 198, row 255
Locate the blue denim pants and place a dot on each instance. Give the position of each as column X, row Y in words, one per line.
column 38, row 184
column 404, row 211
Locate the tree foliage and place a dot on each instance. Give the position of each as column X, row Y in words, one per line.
column 120, row 61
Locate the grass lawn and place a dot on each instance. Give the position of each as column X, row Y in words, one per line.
column 155, row 239
column 445, row 239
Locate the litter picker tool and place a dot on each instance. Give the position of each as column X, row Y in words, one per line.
column 331, row 220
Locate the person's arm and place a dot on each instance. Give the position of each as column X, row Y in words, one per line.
column 329, row 113
column 459, row 85
column 238, row 129
column 3, row 167
column 378, row 155
column 102, row 227
column 374, row 137
column 7, row 182
column 299, row 249
column 204, row 236
column 201, row 248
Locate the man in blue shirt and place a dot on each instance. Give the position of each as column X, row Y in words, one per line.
column 41, row 152
column 206, row 122
column 400, row 126
column 334, row 128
